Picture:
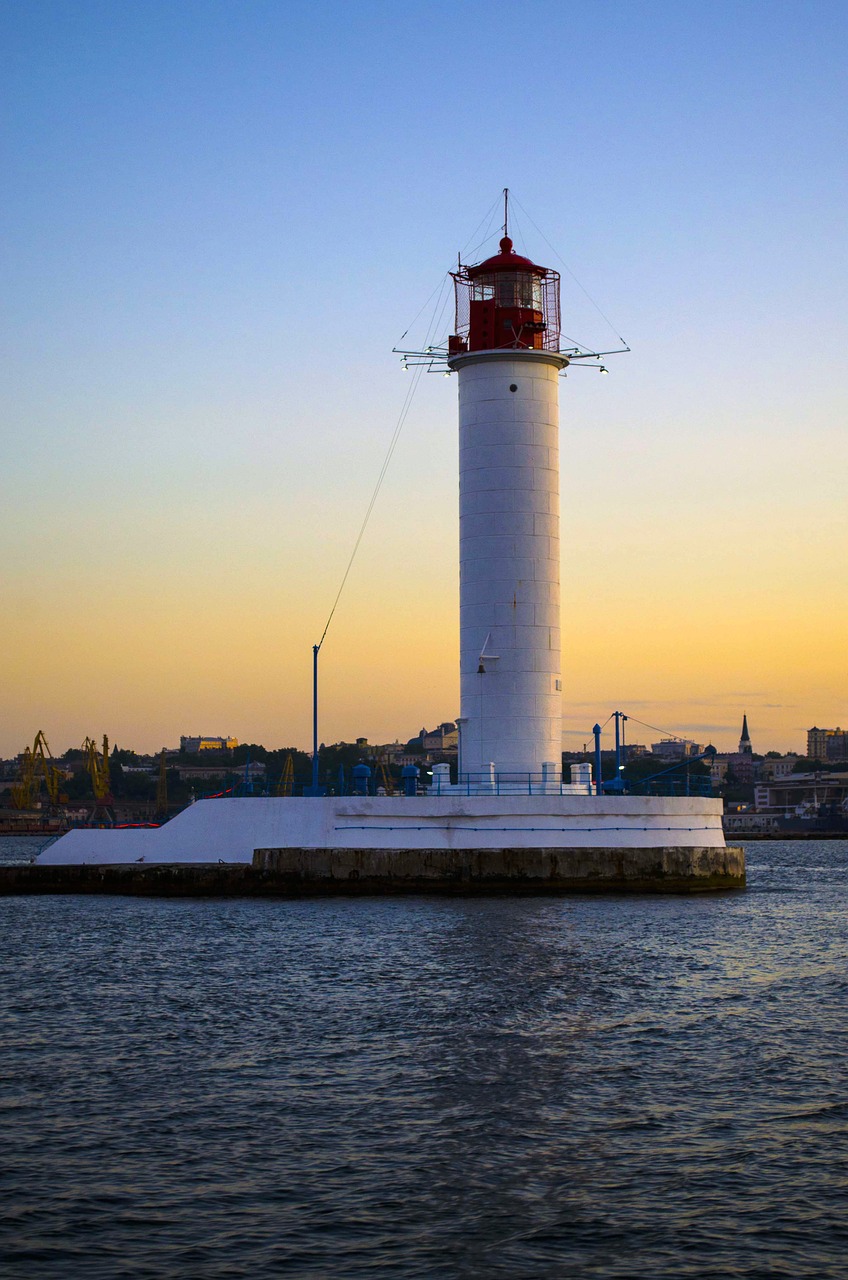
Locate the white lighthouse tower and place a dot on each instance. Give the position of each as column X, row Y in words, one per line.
column 506, row 353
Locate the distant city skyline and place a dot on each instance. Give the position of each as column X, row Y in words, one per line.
column 202, row 743
column 218, row 222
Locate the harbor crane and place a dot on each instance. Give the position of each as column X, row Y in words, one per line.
column 162, row 787
column 384, row 774
column 97, row 767
column 285, row 787
column 36, row 766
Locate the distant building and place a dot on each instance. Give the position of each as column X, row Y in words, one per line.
column 742, row 767
column 443, row 739
column 205, row 773
column 734, row 766
column 718, row 770
column 428, row 747
column 207, row 744
column 740, row 764
column 675, row 748
column 199, row 773
column 803, row 794
column 255, row 770
column 774, row 770
column 827, row 744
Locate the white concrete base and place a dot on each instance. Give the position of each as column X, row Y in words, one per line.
column 229, row 830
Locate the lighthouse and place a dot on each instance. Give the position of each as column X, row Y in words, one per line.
column 505, row 352
column 509, row 823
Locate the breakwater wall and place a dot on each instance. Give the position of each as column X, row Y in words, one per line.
column 294, row 873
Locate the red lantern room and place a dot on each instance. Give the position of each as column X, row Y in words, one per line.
column 505, row 302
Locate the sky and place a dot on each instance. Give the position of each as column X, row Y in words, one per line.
column 218, row 220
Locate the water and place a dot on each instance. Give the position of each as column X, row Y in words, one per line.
column 616, row 1087
column 22, row 849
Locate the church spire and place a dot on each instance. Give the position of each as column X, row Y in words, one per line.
column 745, row 741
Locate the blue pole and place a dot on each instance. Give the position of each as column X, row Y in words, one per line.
column 315, row 649
column 617, row 751
column 599, row 787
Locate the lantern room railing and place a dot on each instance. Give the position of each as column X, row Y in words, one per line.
column 534, row 292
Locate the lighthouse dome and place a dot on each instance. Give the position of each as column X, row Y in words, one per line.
column 506, row 260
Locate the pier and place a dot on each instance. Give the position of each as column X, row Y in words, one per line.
column 295, row 873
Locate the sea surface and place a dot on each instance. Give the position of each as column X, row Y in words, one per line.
column 581, row 1087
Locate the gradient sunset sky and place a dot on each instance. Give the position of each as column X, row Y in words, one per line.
column 219, row 218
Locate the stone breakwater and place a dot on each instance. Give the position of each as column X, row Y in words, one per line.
column 294, row 873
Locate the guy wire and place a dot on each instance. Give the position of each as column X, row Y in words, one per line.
column 404, row 413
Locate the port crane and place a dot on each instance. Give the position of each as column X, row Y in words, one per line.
column 285, row 787
column 97, row 767
column 162, row 788
column 36, row 765
column 384, row 774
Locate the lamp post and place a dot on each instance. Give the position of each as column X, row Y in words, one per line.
column 599, row 786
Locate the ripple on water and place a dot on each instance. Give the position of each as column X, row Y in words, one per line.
column 617, row 1087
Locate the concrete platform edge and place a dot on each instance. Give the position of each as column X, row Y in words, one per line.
column 295, row 873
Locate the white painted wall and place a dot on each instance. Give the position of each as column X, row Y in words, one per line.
column 230, row 829
column 511, row 714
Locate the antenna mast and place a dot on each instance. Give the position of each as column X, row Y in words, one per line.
column 506, row 211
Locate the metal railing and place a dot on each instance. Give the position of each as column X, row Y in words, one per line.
column 498, row 784
column 696, row 784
